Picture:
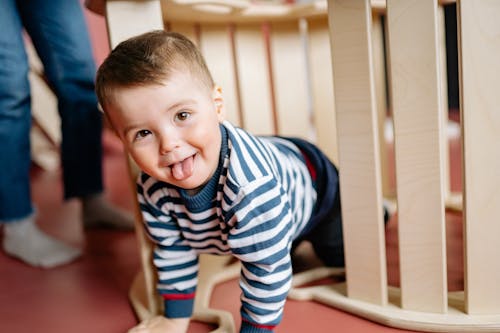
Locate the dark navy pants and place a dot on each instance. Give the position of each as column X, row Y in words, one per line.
column 324, row 230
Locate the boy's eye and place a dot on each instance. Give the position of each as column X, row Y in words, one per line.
column 183, row 115
column 141, row 134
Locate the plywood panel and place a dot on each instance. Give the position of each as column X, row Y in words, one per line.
column 253, row 74
column 145, row 14
column 323, row 107
column 381, row 98
column 360, row 184
column 288, row 58
column 418, row 118
column 479, row 31
column 215, row 44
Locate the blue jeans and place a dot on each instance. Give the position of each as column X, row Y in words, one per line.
column 59, row 33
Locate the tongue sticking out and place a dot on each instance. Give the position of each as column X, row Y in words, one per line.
column 183, row 169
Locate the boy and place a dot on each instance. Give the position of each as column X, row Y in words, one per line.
column 209, row 187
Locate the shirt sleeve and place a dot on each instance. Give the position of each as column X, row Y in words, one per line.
column 176, row 263
column 261, row 239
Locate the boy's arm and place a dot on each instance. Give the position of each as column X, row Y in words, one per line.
column 175, row 261
column 261, row 239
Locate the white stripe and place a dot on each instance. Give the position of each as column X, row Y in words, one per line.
column 265, row 253
column 178, row 273
column 184, row 285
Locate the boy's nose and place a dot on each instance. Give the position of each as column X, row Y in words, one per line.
column 169, row 140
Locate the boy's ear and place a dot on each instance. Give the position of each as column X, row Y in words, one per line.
column 219, row 103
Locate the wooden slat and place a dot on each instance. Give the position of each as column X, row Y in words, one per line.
column 413, row 40
column 146, row 15
column 322, row 88
column 253, row 74
column 377, row 31
column 217, row 50
column 360, row 184
column 443, row 92
column 479, row 35
column 290, row 86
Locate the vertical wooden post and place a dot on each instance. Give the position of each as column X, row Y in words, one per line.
column 360, row 184
column 418, row 119
column 479, row 50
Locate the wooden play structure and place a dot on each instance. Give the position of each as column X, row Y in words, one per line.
column 318, row 70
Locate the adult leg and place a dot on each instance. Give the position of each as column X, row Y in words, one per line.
column 59, row 33
column 22, row 238
column 15, row 118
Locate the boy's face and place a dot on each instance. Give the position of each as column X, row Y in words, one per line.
column 171, row 130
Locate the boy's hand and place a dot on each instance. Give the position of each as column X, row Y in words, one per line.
column 161, row 324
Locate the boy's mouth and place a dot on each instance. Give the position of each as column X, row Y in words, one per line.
column 183, row 169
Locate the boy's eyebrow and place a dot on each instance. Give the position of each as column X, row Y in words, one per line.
column 183, row 102
column 128, row 129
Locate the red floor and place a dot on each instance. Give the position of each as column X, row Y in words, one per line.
column 90, row 295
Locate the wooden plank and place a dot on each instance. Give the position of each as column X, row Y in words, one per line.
column 253, row 75
column 479, row 49
column 377, row 31
column 443, row 85
column 290, row 86
column 360, row 184
column 217, row 49
column 145, row 14
column 323, row 106
column 418, row 118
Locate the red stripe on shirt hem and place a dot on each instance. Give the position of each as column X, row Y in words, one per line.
column 266, row 327
column 177, row 296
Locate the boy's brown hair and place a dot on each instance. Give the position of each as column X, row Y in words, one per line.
column 148, row 59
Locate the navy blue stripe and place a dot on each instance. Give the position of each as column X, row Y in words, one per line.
column 266, row 286
column 257, row 270
column 170, row 268
column 271, row 224
column 257, row 159
column 178, row 279
column 240, row 159
column 262, row 245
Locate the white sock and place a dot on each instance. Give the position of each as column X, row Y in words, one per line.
column 24, row 240
column 99, row 213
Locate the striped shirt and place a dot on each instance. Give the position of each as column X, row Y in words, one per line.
column 258, row 201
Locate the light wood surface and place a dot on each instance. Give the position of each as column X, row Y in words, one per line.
column 253, row 74
column 392, row 315
column 418, row 119
column 216, row 46
column 127, row 18
column 290, row 77
column 479, row 49
column 360, row 184
column 321, row 80
column 380, row 79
